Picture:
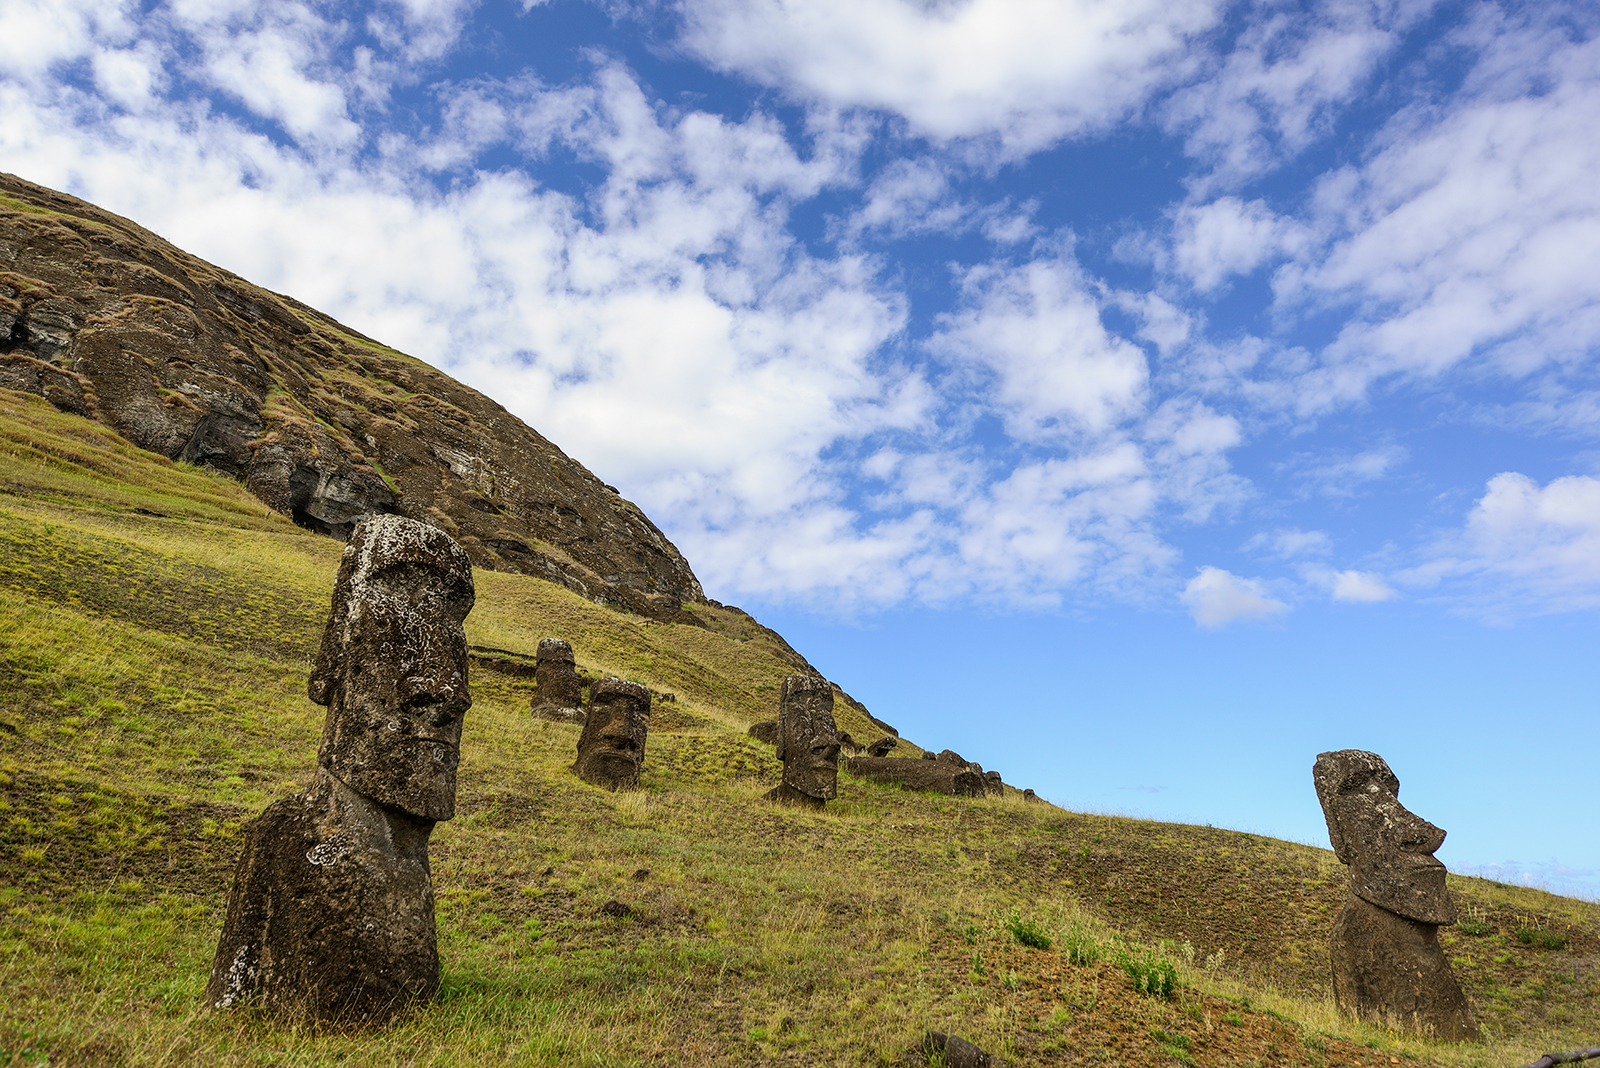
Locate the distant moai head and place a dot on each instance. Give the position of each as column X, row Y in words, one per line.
column 556, row 651
column 556, row 674
column 611, row 747
column 392, row 667
column 1388, row 849
column 808, row 739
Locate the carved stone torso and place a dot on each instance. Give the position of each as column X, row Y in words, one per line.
column 331, row 912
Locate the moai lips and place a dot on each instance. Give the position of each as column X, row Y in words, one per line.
column 1388, row 966
column 611, row 747
column 808, row 742
column 331, row 913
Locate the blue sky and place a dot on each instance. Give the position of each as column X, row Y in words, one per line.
column 1137, row 397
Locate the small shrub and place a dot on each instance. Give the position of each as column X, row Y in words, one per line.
column 1080, row 946
column 1152, row 974
column 1537, row 936
column 1027, row 932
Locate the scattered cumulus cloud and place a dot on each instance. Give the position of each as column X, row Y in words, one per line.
column 1023, row 72
column 1360, row 586
column 1216, row 598
column 806, row 422
column 1524, row 549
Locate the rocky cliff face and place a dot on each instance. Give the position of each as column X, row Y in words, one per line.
column 107, row 320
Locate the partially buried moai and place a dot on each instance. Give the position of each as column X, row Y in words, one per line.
column 611, row 747
column 331, row 913
column 1388, row 966
column 808, row 743
column 560, row 693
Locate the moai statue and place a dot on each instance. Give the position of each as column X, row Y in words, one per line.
column 331, row 913
column 1388, row 966
column 611, row 747
column 808, row 743
column 560, row 693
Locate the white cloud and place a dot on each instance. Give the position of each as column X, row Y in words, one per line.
column 1215, row 598
column 1278, row 89
column 1057, row 371
column 1473, row 229
column 1292, row 544
column 1525, row 549
column 1360, row 586
column 1026, row 71
column 1212, row 242
column 1344, row 474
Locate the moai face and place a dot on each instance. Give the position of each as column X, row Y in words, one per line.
column 611, row 748
column 393, row 666
column 808, row 739
column 1388, row 848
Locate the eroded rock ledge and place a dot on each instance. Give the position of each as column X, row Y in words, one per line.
column 325, row 425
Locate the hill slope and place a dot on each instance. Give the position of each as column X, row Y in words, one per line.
column 156, row 624
column 107, row 320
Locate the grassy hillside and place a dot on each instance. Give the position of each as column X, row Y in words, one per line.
column 156, row 626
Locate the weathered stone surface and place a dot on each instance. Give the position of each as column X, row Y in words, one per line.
column 331, row 912
column 993, row 785
column 881, row 747
column 1388, row 848
column 1029, row 795
column 1387, row 965
column 107, row 320
column 957, row 1051
column 765, row 732
column 808, row 742
column 932, row 776
column 849, row 744
column 392, row 667
column 560, row 693
column 1391, row 971
column 611, row 747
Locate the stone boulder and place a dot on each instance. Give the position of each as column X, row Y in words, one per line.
column 765, row 732
column 882, row 746
column 957, row 1052
column 929, row 776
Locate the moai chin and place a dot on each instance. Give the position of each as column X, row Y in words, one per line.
column 560, row 693
column 611, row 747
column 331, row 913
column 1388, row 966
column 808, row 743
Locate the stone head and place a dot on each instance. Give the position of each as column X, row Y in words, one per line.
column 611, row 747
column 808, row 739
column 554, row 650
column 392, row 668
column 1388, row 849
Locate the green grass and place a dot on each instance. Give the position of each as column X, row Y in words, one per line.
column 156, row 626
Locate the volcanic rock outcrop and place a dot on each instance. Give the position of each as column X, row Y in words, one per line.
column 331, row 913
column 1388, row 966
column 808, row 743
column 106, row 320
column 611, row 747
